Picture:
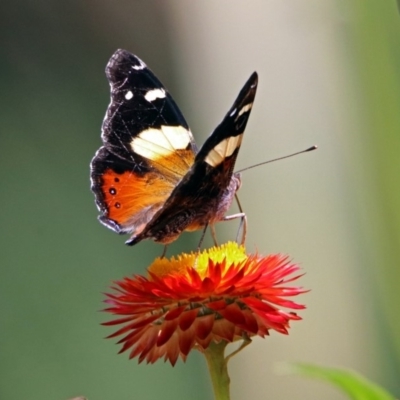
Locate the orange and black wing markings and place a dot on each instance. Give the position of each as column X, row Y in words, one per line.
column 147, row 147
column 148, row 178
column 127, row 196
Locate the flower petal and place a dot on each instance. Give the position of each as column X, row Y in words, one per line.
column 192, row 300
column 187, row 318
column 203, row 326
column 233, row 314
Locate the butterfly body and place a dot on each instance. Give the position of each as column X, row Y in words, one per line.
column 149, row 178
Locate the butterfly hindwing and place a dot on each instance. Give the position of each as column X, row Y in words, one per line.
column 148, row 147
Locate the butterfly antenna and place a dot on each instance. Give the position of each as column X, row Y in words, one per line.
column 279, row 158
column 214, row 234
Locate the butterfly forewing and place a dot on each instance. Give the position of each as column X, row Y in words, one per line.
column 141, row 107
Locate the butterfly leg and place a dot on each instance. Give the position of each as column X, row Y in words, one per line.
column 202, row 238
column 164, row 251
column 243, row 221
column 214, row 234
column 199, row 245
column 243, row 225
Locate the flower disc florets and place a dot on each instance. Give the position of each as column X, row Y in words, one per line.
column 191, row 300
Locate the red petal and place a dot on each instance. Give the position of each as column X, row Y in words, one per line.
column 186, row 341
column 144, row 344
column 131, row 339
column 233, row 314
column 117, row 321
column 187, row 318
column 145, row 347
column 217, row 305
column 251, row 324
column 174, row 313
column 195, row 277
column 171, row 350
column 257, row 305
column 207, row 285
column 203, row 326
column 134, row 325
column 215, row 274
column 204, row 343
column 167, row 330
column 224, row 329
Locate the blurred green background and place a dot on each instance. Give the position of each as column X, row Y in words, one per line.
column 329, row 75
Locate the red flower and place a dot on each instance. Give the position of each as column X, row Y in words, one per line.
column 188, row 302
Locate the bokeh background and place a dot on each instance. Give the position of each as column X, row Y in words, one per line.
column 329, row 75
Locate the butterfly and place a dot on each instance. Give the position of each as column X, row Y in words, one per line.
column 149, row 178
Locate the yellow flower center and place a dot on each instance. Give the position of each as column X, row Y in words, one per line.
column 231, row 252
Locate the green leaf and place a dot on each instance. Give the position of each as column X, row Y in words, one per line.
column 353, row 384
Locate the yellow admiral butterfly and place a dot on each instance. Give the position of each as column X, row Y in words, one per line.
column 149, row 179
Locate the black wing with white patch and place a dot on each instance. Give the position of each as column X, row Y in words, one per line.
column 140, row 102
column 226, row 138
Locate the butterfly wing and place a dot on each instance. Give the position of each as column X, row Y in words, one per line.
column 147, row 147
column 206, row 192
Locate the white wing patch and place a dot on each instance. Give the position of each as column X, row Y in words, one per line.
column 128, row 95
column 157, row 143
column 154, row 94
column 223, row 150
column 141, row 65
column 244, row 109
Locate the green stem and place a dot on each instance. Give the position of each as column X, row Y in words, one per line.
column 218, row 368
